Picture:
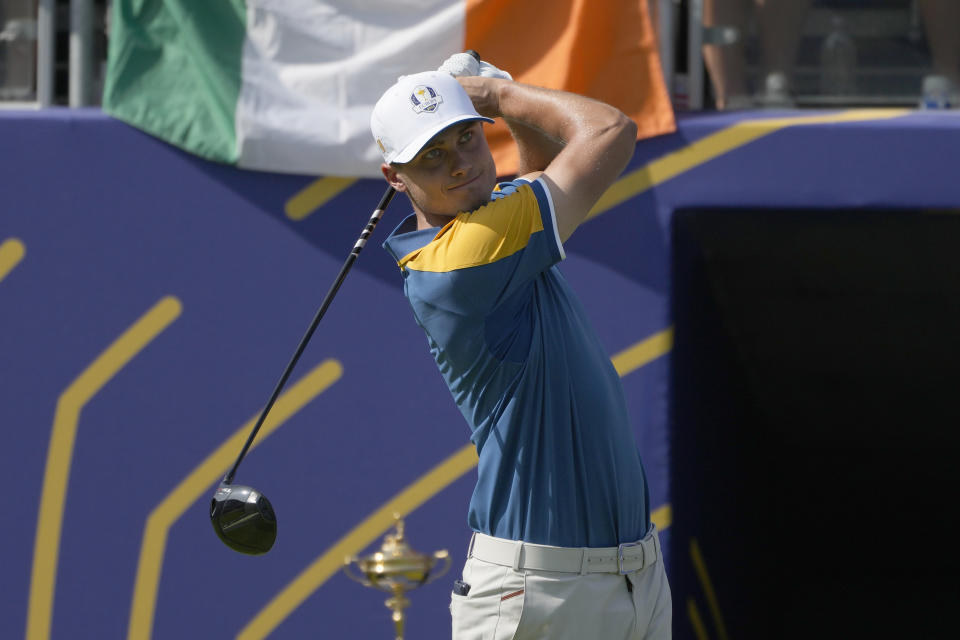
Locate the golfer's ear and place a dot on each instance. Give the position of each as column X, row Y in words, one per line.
column 393, row 177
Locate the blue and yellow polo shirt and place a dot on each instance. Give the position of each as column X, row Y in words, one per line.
column 558, row 460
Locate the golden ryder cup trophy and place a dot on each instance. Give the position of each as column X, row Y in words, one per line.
column 396, row 569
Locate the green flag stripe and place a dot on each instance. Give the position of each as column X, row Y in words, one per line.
column 173, row 70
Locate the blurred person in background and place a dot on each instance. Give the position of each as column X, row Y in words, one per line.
column 941, row 21
column 779, row 29
column 17, row 49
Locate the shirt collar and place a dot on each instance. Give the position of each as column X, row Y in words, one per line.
column 406, row 239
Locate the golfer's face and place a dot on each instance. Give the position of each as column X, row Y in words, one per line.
column 454, row 172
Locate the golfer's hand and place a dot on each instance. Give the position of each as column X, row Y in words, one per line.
column 484, row 93
column 463, row 64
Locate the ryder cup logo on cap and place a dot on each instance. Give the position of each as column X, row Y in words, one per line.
column 424, row 98
column 415, row 109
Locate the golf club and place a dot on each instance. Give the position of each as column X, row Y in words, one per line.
column 242, row 516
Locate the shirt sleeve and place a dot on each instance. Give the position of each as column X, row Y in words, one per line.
column 490, row 253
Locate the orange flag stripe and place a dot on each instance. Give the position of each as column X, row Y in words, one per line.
column 605, row 50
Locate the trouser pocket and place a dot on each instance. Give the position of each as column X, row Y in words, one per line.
column 492, row 608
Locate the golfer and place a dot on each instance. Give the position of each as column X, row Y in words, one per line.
column 563, row 546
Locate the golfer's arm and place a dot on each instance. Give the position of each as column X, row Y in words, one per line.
column 536, row 149
column 595, row 141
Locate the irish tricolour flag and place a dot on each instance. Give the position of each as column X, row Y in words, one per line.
column 288, row 85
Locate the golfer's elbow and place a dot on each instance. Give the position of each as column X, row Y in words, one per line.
column 617, row 139
column 623, row 133
column 630, row 131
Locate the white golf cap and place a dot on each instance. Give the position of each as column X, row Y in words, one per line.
column 415, row 109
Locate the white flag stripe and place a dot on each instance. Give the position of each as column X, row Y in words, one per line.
column 311, row 73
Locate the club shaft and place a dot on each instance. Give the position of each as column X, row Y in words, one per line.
column 357, row 248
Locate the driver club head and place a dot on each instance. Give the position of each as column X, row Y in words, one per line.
column 243, row 518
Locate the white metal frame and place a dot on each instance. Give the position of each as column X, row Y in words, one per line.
column 81, row 55
column 667, row 12
column 695, row 68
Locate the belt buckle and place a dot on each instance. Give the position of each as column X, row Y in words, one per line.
column 620, row 549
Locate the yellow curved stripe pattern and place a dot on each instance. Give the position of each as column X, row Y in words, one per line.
column 716, row 144
column 315, row 195
column 701, row 570
column 424, row 488
column 60, row 453
column 643, row 352
column 11, row 253
column 356, row 539
column 154, row 542
column 662, row 517
column 696, row 620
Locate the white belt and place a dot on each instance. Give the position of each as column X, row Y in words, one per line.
column 623, row 559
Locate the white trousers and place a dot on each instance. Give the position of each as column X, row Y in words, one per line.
column 532, row 604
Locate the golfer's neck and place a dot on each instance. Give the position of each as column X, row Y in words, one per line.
column 430, row 220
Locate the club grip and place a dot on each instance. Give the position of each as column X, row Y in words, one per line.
column 476, row 56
